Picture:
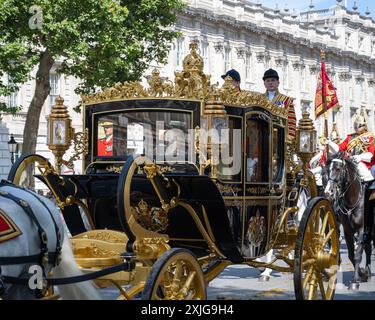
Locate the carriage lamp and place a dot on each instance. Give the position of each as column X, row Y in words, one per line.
column 306, row 141
column 214, row 117
column 12, row 147
column 59, row 132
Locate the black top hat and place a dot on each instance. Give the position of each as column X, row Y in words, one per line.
column 233, row 74
column 270, row 73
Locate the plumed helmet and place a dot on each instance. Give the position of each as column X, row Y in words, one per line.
column 270, row 73
column 360, row 119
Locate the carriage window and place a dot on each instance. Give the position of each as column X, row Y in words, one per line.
column 277, row 154
column 231, row 162
column 257, row 162
column 153, row 133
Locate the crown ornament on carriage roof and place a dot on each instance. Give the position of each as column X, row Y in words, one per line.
column 190, row 83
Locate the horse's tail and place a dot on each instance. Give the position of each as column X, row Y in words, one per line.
column 67, row 268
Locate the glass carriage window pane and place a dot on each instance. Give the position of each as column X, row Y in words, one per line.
column 231, row 154
column 162, row 136
column 277, row 154
column 257, row 161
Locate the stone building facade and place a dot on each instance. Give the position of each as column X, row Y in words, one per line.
column 246, row 36
column 251, row 38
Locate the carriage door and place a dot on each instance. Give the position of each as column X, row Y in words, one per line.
column 278, row 185
column 258, row 172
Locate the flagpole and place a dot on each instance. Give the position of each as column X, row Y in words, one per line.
column 322, row 58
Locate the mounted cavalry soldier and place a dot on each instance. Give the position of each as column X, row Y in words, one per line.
column 360, row 147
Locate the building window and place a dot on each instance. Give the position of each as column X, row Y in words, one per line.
column 204, row 54
column 348, row 39
column 180, row 52
column 226, row 59
column 54, row 83
column 13, row 97
column 360, row 43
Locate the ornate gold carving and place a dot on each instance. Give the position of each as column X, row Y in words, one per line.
column 150, row 248
column 257, row 190
column 104, row 235
column 166, row 169
column 80, row 141
column 158, row 86
column 190, row 83
column 227, row 188
column 114, row 169
column 151, row 218
column 256, row 230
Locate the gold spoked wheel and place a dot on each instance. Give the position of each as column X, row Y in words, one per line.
column 317, row 252
column 22, row 172
column 176, row 275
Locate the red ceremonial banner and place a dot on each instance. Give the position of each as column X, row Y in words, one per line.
column 325, row 89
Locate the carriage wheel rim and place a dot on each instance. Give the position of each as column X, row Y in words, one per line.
column 179, row 279
column 320, row 254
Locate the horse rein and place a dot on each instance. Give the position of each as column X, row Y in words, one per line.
column 341, row 205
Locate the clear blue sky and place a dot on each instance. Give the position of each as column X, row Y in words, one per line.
column 302, row 5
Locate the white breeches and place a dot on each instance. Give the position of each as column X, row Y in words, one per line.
column 317, row 172
column 364, row 173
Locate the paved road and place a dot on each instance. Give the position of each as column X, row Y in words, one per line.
column 240, row 282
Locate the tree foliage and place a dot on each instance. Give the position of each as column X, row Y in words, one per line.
column 100, row 42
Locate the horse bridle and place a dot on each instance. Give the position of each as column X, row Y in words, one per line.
column 341, row 204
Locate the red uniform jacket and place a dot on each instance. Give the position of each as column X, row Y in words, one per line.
column 355, row 145
column 105, row 147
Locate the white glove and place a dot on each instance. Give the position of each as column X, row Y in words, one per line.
column 357, row 158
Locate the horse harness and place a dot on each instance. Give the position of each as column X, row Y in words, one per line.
column 45, row 258
column 340, row 202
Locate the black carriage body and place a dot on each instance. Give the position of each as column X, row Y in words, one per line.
column 240, row 210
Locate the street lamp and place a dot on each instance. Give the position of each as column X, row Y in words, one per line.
column 12, row 146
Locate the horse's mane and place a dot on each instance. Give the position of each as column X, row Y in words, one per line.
column 351, row 165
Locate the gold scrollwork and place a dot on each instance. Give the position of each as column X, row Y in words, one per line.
column 256, row 230
column 114, row 169
column 257, row 190
column 80, row 141
column 227, row 188
column 150, row 248
column 190, row 83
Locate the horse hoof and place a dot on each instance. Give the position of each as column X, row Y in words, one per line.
column 264, row 278
column 354, row 286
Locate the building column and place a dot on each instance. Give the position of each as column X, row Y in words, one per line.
column 218, row 62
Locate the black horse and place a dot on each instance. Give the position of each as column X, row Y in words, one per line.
column 348, row 194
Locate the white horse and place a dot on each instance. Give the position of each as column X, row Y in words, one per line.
column 29, row 243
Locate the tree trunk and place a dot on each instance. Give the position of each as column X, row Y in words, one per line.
column 42, row 90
